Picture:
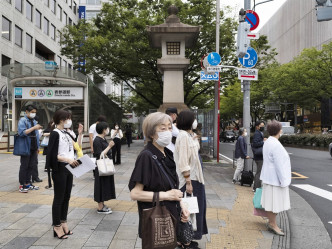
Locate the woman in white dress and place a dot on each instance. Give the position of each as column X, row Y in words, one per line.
column 275, row 176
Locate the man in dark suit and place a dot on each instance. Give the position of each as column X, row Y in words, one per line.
column 257, row 148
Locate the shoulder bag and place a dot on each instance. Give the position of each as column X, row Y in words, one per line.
column 159, row 227
column 105, row 166
column 22, row 144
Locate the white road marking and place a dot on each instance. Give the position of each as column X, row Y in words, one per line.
column 289, row 153
column 330, row 222
column 314, row 190
column 227, row 158
column 329, row 185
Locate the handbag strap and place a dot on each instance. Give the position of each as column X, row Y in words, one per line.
column 162, row 168
column 155, row 200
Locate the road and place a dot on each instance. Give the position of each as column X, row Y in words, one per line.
column 312, row 178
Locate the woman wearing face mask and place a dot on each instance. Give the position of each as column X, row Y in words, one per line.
column 60, row 153
column 148, row 177
column 189, row 167
column 240, row 153
column 104, row 185
column 276, row 176
column 116, row 135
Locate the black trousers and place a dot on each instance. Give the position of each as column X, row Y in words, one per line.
column 62, row 183
column 35, row 174
column 257, row 181
column 27, row 165
column 116, row 151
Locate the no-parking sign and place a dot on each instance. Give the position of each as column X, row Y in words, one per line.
column 252, row 18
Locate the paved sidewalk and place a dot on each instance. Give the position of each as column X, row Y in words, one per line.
column 25, row 219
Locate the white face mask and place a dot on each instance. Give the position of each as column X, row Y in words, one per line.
column 32, row 115
column 67, row 124
column 194, row 125
column 245, row 134
column 164, row 138
column 116, row 127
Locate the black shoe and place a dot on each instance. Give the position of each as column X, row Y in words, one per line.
column 37, row 180
column 55, row 234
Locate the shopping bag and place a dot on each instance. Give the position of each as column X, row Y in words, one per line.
column 22, row 145
column 257, row 198
column 105, row 166
column 44, row 142
column 191, row 203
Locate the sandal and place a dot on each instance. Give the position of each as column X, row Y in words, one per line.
column 55, row 234
column 67, row 233
column 191, row 246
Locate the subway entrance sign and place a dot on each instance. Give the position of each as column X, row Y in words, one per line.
column 50, row 65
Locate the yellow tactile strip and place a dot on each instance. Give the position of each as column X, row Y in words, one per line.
column 243, row 230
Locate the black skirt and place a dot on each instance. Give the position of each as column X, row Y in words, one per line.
column 104, row 187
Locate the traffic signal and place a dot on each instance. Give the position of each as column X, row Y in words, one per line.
column 324, row 10
column 243, row 42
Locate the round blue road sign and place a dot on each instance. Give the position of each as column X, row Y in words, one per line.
column 214, row 59
column 250, row 59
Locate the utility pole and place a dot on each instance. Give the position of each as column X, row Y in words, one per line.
column 246, row 96
column 216, row 93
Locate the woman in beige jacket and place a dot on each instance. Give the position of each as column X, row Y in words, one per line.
column 189, row 166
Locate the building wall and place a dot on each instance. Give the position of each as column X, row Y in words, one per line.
column 294, row 27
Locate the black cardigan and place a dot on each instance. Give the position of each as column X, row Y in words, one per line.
column 52, row 155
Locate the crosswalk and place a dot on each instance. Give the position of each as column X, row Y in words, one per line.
column 315, row 190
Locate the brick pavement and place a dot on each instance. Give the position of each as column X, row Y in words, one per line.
column 25, row 219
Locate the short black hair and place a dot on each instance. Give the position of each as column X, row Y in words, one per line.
column 29, row 108
column 185, row 120
column 241, row 131
column 171, row 110
column 101, row 126
column 257, row 123
column 101, row 118
column 116, row 124
column 61, row 115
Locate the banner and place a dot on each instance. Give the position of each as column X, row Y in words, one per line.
column 48, row 93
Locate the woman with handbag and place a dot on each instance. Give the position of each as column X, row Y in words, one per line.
column 61, row 153
column 155, row 172
column 276, row 176
column 189, row 167
column 104, row 185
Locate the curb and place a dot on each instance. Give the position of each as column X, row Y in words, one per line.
column 282, row 242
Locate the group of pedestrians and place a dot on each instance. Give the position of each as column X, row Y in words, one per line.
column 273, row 172
column 170, row 172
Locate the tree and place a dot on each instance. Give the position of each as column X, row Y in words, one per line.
column 116, row 43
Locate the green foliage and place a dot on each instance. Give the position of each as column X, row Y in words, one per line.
column 117, row 44
column 321, row 140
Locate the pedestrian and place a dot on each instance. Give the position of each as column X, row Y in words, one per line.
column 116, row 135
column 46, row 134
column 257, row 149
column 189, row 166
column 35, row 173
column 104, row 185
column 148, row 177
column 173, row 113
column 240, row 153
column 60, row 153
column 276, row 176
column 27, row 126
column 129, row 132
column 93, row 133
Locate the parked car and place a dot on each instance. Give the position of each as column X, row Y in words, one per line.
column 227, row 136
column 330, row 149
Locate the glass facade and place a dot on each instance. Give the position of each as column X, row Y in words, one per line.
column 46, row 26
column 28, row 43
column 18, row 36
column 38, row 19
column 6, row 28
column 28, row 10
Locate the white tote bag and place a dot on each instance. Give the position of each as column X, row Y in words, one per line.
column 191, row 203
column 105, row 166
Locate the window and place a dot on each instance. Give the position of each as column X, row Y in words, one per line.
column 91, row 14
column 58, row 60
column 5, row 60
column 53, row 6
column 38, row 19
column 65, row 22
column 52, row 31
column 71, row 4
column 47, row 3
column 6, row 28
column 70, row 22
column 28, row 43
column 173, row 48
column 46, row 26
column 75, row 8
column 28, row 8
column 69, row 65
column 9, row 1
column 64, row 63
column 18, row 5
column 59, row 12
column 18, row 36
column 59, row 36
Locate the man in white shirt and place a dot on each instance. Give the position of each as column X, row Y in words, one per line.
column 92, row 130
column 173, row 113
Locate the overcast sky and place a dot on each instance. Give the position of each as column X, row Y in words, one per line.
column 265, row 11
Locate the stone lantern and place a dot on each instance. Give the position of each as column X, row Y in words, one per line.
column 173, row 37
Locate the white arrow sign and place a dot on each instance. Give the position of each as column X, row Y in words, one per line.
column 253, row 36
column 247, row 74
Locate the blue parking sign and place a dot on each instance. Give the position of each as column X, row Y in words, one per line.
column 250, row 59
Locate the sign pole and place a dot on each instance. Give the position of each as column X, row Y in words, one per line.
column 246, row 97
column 216, row 93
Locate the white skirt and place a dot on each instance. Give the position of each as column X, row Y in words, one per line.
column 275, row 199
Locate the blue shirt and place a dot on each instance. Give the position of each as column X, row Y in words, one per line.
column 25, row 124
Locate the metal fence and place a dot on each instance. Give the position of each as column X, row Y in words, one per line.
column 205, row 120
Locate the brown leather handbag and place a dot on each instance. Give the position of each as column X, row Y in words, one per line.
column 158, row 227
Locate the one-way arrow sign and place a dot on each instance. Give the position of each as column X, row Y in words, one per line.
column 247, row 74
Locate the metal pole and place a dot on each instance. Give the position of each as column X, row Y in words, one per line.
column 216, row 93
column 246, row 98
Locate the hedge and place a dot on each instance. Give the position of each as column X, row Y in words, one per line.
column 318, row 140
